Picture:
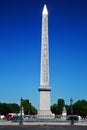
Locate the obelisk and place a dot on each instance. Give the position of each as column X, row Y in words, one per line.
column 44, row 89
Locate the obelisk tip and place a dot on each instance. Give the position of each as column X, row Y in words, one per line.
column 45, row 10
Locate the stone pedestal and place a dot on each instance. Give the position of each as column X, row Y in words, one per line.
column 44, row 103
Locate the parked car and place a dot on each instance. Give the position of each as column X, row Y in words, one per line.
column 75, row 118
column 2, row 117
column 9, row 117
column 16, row 118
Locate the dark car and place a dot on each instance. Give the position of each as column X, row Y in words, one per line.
column 74, row 118
column 16, row 118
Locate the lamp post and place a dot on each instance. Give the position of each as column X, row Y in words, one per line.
column 21, row 122
column 71, row 102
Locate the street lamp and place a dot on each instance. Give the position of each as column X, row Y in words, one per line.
column 71, row 102
column 21, row 122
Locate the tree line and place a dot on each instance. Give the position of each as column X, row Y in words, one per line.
column 79, row 107
column 6, row 108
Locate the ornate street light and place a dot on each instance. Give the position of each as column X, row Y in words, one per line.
column 21, row 122
column 71, row 103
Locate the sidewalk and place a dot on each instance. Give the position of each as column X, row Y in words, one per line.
column 42, row 123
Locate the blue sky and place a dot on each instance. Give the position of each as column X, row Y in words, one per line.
column 20, row 44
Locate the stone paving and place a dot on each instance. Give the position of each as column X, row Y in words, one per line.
column 42, row 123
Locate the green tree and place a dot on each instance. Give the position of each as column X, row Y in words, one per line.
column 28, row 107
column 54, row 108
column 6, row 108
column 61, row 104
column 68, row 109
column 80, row 107
column 13, row 107
column 33, row 110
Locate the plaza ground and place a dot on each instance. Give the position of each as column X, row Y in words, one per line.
column 42, row 123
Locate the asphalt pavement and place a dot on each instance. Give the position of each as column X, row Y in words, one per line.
column 8, row 125
column 43, row 127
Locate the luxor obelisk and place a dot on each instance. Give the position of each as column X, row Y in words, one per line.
column 44, row 89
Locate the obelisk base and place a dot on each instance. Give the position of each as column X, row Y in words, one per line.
column 44, row 110
column 45, row 114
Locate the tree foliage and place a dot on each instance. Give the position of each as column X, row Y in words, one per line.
column 6, row 108
column 33, row 110
column 54, row 108
column 58, row 107
column 61, row 104
column 79, row 107
column 28, row 108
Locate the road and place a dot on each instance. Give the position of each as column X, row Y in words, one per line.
column 43, row 127
column 8, row 125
